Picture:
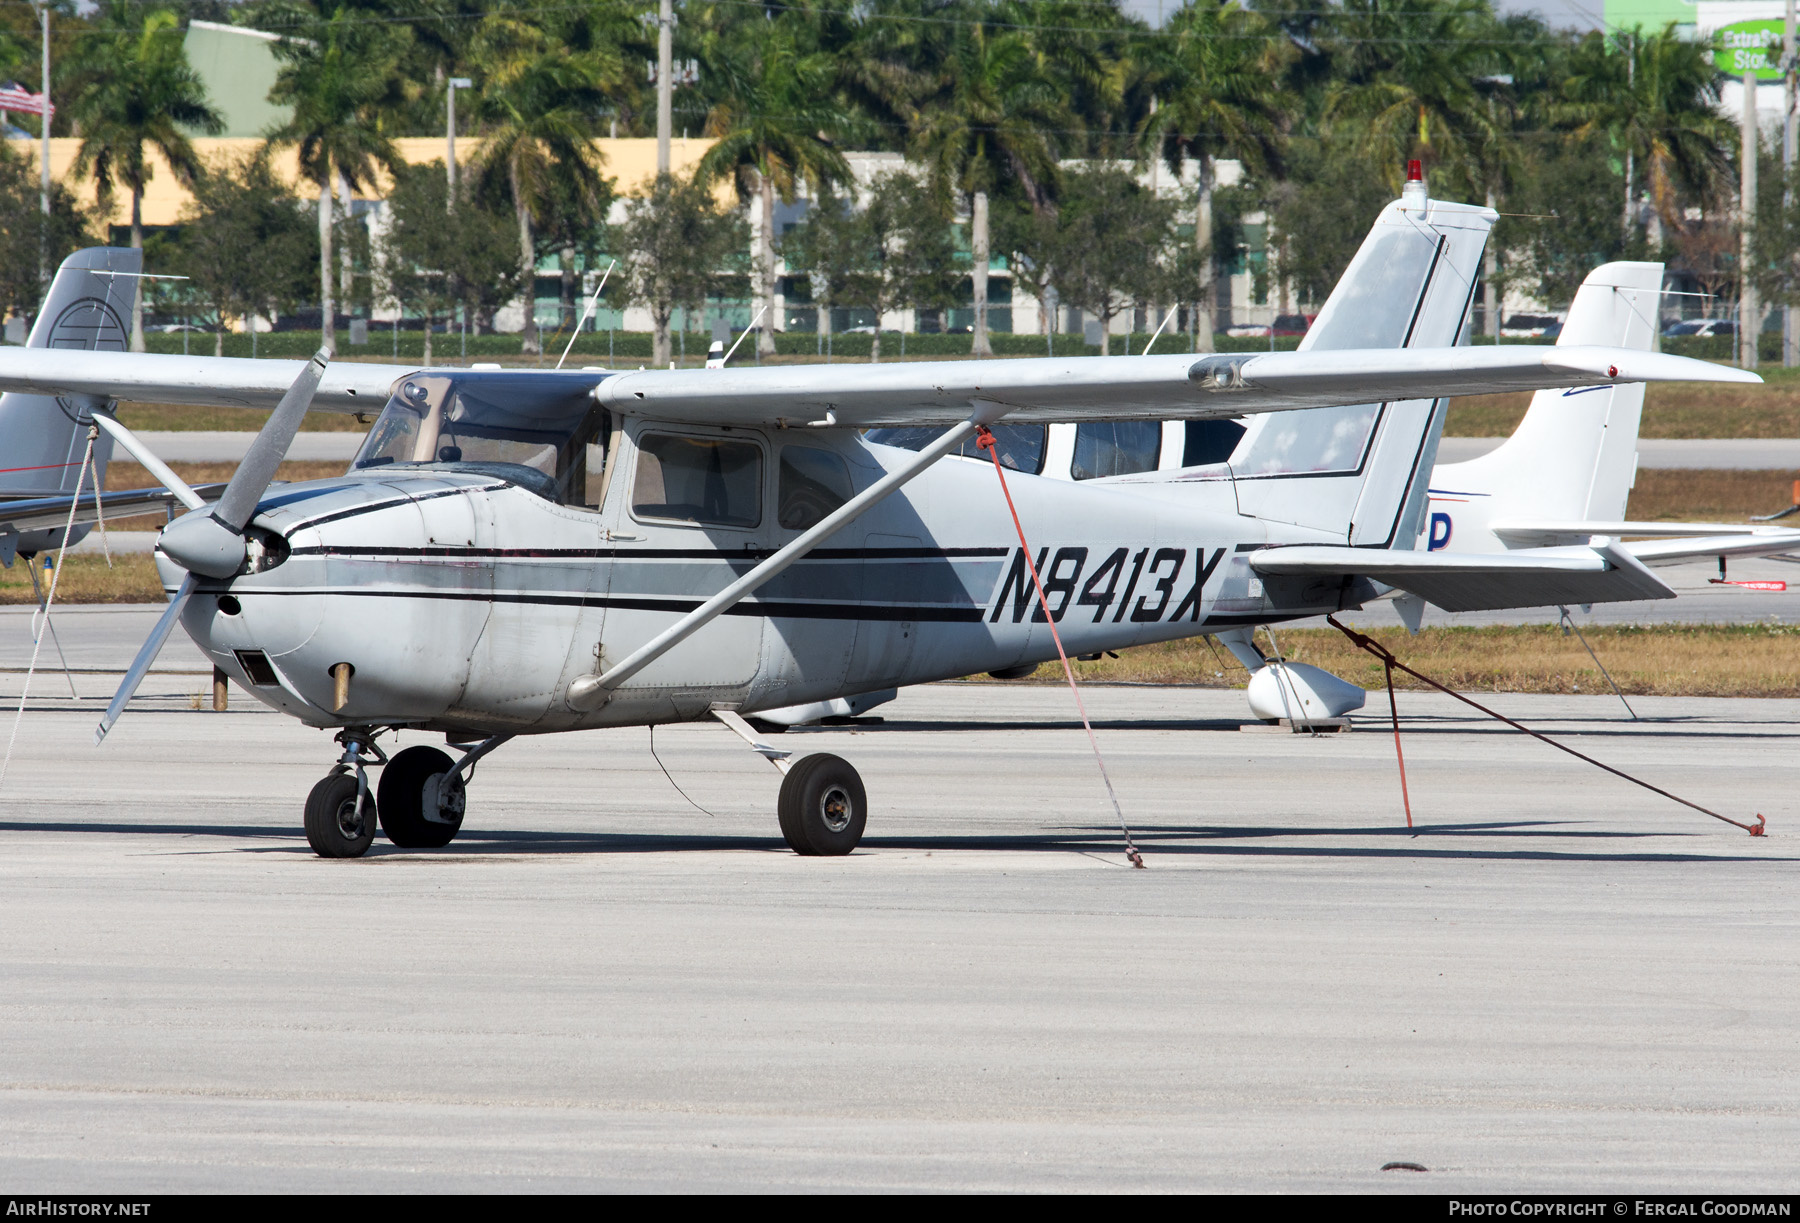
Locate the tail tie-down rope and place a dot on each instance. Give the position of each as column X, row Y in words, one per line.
column 1393, row 664
column 985, row 441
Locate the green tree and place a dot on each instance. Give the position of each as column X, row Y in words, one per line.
column 246, row 245
column 341, row 74
column 894, row 252
column 438, row 252
column 26, row 235
column 1217, row 81
column 537, row 98
column 680, row 249
column 1112, row 244
column 987, row 121
column 1655, row 97
column 131, row 90
column 771, row 119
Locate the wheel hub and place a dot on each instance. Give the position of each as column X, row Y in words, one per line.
column 834, row 806
column 351, row 818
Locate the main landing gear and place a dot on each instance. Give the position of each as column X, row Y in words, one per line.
column 419, row 801
column 822, row 807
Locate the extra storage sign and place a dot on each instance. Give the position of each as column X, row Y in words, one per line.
column 1749, row 47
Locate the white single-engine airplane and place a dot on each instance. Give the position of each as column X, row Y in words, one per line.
column 521, row 552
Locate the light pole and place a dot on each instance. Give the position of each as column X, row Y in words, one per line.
column 455, row 83
column 43, row 8
column 665, row 83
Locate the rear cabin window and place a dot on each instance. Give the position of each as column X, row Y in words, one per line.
column 710, row 481
column 811, row 484
column 1021, row 446
column 1115, row 448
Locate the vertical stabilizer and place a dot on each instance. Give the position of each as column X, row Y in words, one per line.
column 1359, row 473
column 42, row 437
column 1574, row 456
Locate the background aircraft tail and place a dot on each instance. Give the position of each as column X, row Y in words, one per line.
column 42, row 437
column 1359, row 474
column 1574, row 456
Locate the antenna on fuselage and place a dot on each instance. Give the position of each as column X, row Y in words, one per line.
column 592, row 302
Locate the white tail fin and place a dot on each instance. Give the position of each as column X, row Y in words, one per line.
column 1574, row 456
column 1359, row 473
column 43, row 436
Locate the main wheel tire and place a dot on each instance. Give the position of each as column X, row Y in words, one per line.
column 335, row 828
column 402, row 794
column 823, row 808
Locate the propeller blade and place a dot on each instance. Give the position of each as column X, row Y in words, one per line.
column 134, row 446
column 257, row 471
column 140, row 665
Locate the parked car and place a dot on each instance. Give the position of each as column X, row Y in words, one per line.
column 1285, row 324
column 1530, row 326
column 1702, row 327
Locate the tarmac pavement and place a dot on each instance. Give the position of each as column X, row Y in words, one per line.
column 1562, row 983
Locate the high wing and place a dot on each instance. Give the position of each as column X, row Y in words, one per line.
column 915, row 393
column 1602, row 572
column 1126, row 388
column 226, row 382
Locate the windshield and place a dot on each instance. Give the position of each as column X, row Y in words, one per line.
column 545, row 434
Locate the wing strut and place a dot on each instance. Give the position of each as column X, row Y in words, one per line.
column 590, row 692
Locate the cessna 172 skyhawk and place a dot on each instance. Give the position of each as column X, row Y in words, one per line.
column 518, row 552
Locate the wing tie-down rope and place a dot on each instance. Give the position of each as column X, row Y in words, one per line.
column 1392, row 664
column 984, row 440
column 37, row 642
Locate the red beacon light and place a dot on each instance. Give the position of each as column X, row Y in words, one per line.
column 1413, row 196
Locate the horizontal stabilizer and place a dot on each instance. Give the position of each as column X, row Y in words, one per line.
column 50, row 513
column 1538, row 577
column 1536, row 533
column 1675, row 551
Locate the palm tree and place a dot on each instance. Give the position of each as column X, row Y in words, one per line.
column 537, row 98
column 132, row 90
column 1409, row 75
column 989, row 117
column 771, row 119
column 1216, row 82
column 1656, row 97
column 342, row 78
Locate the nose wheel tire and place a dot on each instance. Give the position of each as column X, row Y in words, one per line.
column 336, row 825
column 422, row 799
column 822, row 807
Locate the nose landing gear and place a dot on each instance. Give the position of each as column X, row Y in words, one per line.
column 340, row 811
column 422, row 794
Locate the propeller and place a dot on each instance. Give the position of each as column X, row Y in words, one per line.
column 211, row 545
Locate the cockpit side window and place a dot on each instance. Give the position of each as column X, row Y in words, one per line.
column 706, row 480
column 542, row 434
column 811, row 484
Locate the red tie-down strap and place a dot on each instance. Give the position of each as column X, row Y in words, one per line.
column 984, row 440
column 1394, row 664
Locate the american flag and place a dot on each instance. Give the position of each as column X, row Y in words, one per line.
column 16, row 97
